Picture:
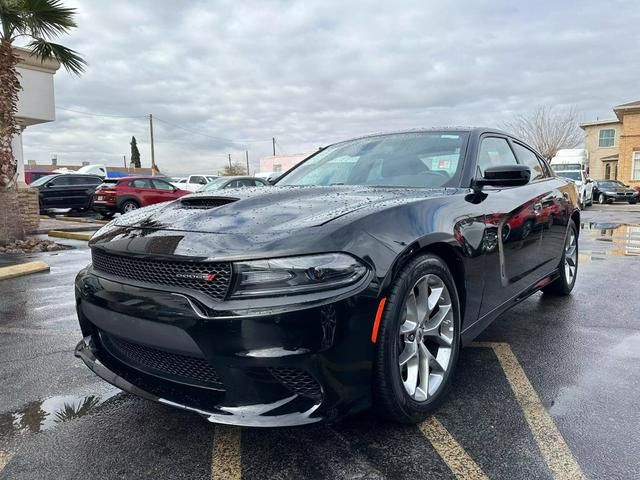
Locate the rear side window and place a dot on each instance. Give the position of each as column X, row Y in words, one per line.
column 61, row 181
column 531, row 160
column 494, row 152
column 141, row 183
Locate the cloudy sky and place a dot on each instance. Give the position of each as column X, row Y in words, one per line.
column 225, row 76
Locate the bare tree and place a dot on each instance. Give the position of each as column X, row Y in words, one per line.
column 547, row 129
column 235, row 169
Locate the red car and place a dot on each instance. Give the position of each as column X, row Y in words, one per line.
column 129, row 193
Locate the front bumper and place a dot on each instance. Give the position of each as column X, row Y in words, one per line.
column 288, row 368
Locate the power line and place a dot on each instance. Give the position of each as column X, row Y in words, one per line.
column 100, row 114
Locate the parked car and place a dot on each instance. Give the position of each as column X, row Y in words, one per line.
column 221, row 183
column 608, row 191
column 355, row 280
column 66, row 190
column 584, row 184
column 194, row 182
column 128, row 194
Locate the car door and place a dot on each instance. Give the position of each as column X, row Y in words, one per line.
column 143, row 191
column 164, row 192
column 516, row 221
column 56, row 193
column 81, row 191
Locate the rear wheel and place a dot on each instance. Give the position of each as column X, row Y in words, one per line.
column 129, row 206
column 568, row 265
column 418, row 341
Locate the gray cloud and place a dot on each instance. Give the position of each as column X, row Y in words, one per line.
column 310, row 73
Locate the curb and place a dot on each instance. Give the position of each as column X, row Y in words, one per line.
column 70, row 235
column 21, row 269
column 74, row 219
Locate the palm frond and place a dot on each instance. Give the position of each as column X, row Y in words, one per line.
column 68, row 58
column 47, row 18
column 11, row 19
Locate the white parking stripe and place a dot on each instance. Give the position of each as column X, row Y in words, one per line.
column 456, row 458
column 226, row 462
column 554, row 449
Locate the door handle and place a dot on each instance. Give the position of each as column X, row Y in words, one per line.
column 537, row 207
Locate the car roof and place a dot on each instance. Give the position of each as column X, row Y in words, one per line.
column 76, row 175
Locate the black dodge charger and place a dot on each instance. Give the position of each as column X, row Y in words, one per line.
column 353, row 282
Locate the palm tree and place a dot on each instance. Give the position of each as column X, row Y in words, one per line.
column 34, row 23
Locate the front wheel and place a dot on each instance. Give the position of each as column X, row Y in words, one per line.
column 563, row 285
column 418, row 341
column 602, row 199
column 633, row 202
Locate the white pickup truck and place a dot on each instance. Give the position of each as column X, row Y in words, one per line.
column 193, row 182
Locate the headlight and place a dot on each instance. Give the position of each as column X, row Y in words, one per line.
column 291, row 275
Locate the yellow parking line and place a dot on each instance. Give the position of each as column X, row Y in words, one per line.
column 4, row 459
column 20, row 269
column 70, row 235
column 226, row 462
column 456, row 458
column 554, row 449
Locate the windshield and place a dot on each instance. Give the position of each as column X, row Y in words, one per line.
column 561, row 167
column 611, row 184
column 421, row 160
column 571, row 175
column 42, row 180
column 215, row 184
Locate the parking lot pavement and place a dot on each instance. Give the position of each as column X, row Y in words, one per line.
column 549, row 390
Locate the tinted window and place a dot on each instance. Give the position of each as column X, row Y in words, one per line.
column 421, row 159
column 232, row 184
column 62, row 181
column 160, row 185
column 42, row 180
column 198, row 179
column 141, row 183
column 494, row 152
column 530, row 159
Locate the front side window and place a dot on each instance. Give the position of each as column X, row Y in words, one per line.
column 62, row 181
column 635, row 174
column 160, row 185
column 607, row 137
column 141, row 183
column 494, row 152
column 531, row 160
column 415, row 160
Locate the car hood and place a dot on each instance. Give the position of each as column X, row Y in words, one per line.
column 268, row 210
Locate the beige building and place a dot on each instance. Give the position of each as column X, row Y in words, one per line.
column 613, row 145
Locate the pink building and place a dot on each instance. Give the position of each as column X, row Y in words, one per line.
column 280, row 163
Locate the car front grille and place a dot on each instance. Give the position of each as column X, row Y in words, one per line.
column 298, row 381
column 171, row 366
column 210, row 278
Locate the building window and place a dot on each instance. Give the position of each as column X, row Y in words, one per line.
column 635, row 174
column 607, row 137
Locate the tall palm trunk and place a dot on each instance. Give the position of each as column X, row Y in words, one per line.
column 10, row 220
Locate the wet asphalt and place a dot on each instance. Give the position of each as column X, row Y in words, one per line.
column 581, row 356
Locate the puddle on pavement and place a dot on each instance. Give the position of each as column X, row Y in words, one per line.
column 617, row 239
column 42, row 415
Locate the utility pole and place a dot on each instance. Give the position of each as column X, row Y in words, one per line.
column 153, row 153
column 246, row 153
column 230, row 161
column 273, row 141
column 124, row 161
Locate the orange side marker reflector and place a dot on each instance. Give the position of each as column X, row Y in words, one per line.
column 376, row 324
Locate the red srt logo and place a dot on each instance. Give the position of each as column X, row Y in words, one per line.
column 205, row 277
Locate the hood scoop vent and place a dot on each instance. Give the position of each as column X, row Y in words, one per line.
column 206, row 202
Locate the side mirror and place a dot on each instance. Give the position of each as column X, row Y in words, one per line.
column 504, row 176
column 49, row 185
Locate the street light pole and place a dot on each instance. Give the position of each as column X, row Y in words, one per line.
column 153, row 153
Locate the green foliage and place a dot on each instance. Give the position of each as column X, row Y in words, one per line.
column 41, row 21
column 135, row 153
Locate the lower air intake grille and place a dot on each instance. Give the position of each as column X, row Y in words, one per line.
column 210, row 278
column 171, row 366
column 298, row 381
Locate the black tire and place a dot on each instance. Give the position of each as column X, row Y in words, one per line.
column 391, row 399
column 633, row 202
column 129, row 205
column 107, row 215
column 563, row 285
column 602, row 199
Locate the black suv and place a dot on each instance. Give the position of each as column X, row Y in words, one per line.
column 66, row 190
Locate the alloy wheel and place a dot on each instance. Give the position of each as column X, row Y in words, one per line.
column 130, row 207
column 570, row 257
column 425, row 337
